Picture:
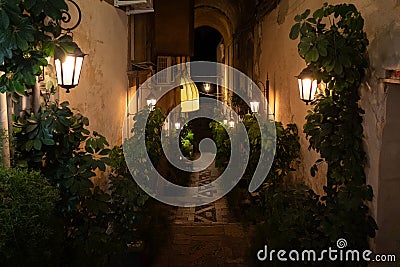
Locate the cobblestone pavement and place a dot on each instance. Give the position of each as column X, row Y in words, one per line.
column 205, row 235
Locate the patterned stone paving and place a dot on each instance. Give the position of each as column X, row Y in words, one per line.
column 205, row 235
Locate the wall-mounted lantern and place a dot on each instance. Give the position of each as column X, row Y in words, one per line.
column 151, row 101
column 69, row 69
column 307, row 85
column 254, row 106
column 231, row 123
column 177, row 125
column 207, row 87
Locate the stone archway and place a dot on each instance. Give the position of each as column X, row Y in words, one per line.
column 214, row 18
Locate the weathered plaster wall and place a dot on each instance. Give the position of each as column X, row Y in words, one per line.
column 101, row 93
column 277, row 56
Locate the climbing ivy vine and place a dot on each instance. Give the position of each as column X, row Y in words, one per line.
column 334, row 44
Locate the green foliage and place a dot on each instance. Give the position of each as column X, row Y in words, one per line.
column 239, row 104
column 186, row 141
column 251, row 207
column 287, row 152
column 3, row 140
column 27, row 202
column 28, row 34
column 134, row 218
column 223, row 144
column 56, row 142
column 332, row 50
column 98, row 225
column 335, row 53
column 292, row 215
column 152, row 137
column 128, row 201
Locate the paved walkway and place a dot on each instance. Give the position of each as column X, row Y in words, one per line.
column 205, row 235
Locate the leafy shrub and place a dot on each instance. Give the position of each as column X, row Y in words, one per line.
column 186, row 141
column 251, row 207
column 221, row 139
column 291, row 221
column 56, row 142
column 27, row 202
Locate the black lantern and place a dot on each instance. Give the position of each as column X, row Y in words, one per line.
column 69, row 66
column 69, row 69
column 307, row 85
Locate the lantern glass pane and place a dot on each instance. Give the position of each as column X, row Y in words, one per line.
column 300, row 88
column 313, row 89
column 307, row 89
column 78, row 67
column 68, row 70
column 58, row 70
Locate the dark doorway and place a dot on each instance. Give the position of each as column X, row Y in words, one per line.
column 206, row 40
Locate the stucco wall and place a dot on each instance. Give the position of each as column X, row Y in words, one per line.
column 278, row 56
column 101, row 93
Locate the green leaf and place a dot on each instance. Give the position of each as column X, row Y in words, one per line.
column 322, row 50
column 104, row 152
column 294, row 32
column 318, row 14
column 31, row 128
column 48, row 142
column 303, row 47
column 4, row 20
column 30, row 79
column 37, row 144
column 297, row 18
column 101, row 166
column 338, row 68
column 305, row 14
column 312, row 20
column 312, row 55
column 29, row 145
column 19, row 88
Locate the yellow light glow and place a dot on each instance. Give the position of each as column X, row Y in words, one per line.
column 189, row 95
column 68, row 72
column 254, row 106
column 304, row 86
column 207, row 87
